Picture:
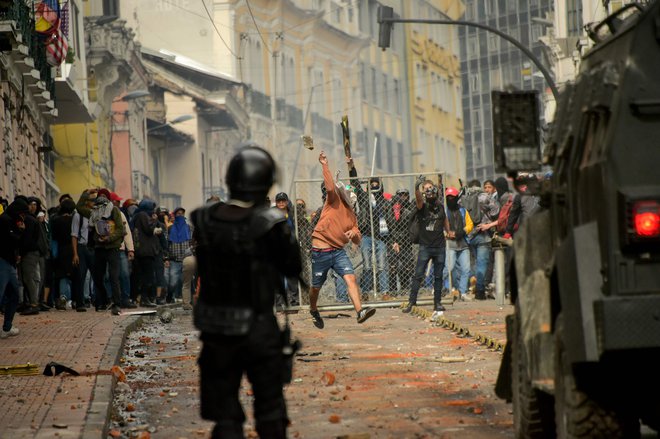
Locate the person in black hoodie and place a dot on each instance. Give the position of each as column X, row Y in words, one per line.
column 12, row 226
column 375, row 223
column 147, row 248
column 31, row 251
column 64, row 271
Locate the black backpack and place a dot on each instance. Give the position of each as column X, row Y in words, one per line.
column 470, row 201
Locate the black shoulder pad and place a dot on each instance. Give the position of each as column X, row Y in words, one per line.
column 265, row 219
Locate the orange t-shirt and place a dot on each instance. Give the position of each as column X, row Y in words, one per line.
column 336, row 218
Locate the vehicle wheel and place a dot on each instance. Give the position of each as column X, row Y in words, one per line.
column 532, row 409
column 579, row 414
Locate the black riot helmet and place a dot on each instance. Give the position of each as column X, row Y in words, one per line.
column 251, row 173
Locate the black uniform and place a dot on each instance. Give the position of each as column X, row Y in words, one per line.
column 242, row 256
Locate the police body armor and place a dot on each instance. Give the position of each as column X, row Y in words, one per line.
column 237, row 281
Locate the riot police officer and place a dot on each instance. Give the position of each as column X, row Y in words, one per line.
column 244, row 250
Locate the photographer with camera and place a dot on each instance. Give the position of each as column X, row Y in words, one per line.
column 432, row 222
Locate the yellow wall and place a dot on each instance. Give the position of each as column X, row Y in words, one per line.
column 78, row 157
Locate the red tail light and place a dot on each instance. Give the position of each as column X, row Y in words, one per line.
column 646, row 218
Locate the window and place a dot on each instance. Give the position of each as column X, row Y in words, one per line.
column 418, row 80
column 389, row 158
column 337, row 12
column 458, row 108
column 475, row 83
column 537, row 32
column 495, row 78
column 574, row 17
column 386, row 93
column 434, row 90
column 397, row 98
column 374, row 87
column 493, row 42
column 472, row 47
column 476, row 118
column 400, row 160
column 111, row 8
column 363, row 81
column 75, row 16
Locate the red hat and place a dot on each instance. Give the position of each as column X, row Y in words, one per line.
column 115, row 197
column 451, row 192
column 129, row 202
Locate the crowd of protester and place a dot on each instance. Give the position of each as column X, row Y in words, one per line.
column 107, row 253
column 97, row 252
column 475, row 213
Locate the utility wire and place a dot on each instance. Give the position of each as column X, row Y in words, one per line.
column 218, row 32
column 247, row 2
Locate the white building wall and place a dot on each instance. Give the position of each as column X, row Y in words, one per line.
column 183, row 26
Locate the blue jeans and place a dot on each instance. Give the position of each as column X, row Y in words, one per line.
column 463, row 258
column 65, row 288
column 8, row 292
column 482, row 252
column 426, row 254
column 174, row 279
column 322, row 262
column 366, row 280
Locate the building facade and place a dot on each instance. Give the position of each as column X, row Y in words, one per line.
column 27, row 106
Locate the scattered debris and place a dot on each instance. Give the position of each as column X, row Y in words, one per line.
column 54, row 369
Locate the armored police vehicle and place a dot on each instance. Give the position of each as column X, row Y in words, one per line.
column 583, row 345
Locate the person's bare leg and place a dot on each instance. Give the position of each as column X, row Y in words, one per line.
column 313, row 298
column 353, row 291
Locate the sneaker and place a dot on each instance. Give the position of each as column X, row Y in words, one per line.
column 439, row 308
column 81, row 309
column 187, row 307
column 160, row 301
column 130, row 305
column 115, row 310
column 30, row 311
column 13, row 331
column 364, row 314
column 316, row 319
column 408, row 308
column 465, row 298
column 148, row 303
column 44, row 307
column 61, row 303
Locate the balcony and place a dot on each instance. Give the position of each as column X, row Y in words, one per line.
column 260, row 103
column 27, row 54
column 289, row 114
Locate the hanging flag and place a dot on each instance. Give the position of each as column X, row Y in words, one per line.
column 47, row 17
column 64, row 18
column 56, row 48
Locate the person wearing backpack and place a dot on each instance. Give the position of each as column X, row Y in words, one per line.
column 460, row 227
column 483, row 209
column 107, row 234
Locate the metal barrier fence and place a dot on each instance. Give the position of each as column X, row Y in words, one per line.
column 384, row 270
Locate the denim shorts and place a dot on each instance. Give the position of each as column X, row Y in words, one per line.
column 322, row 261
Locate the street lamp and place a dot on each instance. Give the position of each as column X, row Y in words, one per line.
column 182, row 118
column 386, row 20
